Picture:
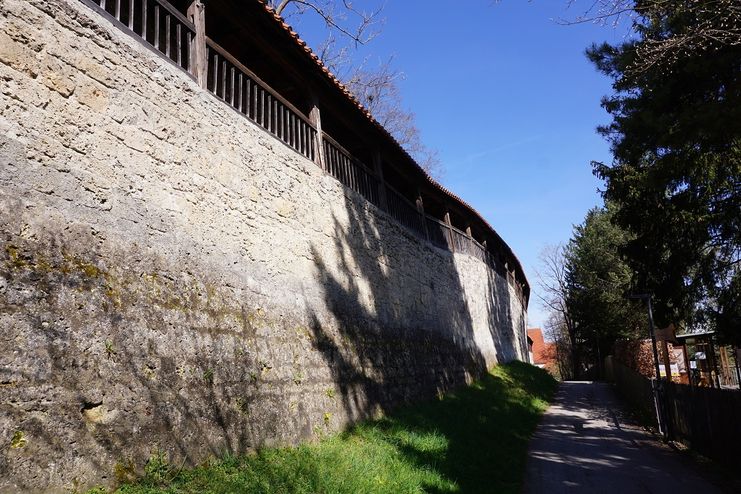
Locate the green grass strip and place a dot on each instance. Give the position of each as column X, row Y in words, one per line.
column 473, row 440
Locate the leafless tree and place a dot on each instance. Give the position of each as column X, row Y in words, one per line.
column 553, row 295
column 555, row 330
column 376, row 86
column 378, row 90
column 716, row 23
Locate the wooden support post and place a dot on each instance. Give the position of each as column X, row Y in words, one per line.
column 198, row 53
column 505, row 262
column 714, row 372
column 667, row 361
column 468, row 243
column 378, row 169
column 451, row 239
column 315, row 117
column 686, row 358
column 725, row 367
column 421, row 209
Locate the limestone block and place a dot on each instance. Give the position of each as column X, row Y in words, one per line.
column 58, row 77
column 94, row 96
column 17, row 55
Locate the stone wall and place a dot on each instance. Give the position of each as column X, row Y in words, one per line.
column 173, row 279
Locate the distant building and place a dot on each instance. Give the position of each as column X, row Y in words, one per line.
column 542, row 353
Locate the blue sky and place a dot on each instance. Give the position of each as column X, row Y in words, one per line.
column 509, row 99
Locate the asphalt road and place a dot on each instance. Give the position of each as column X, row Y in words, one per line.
column 586, row 444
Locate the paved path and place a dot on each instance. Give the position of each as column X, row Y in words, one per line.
column 585, row 444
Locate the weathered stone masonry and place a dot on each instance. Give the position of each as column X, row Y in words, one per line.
column 173, row 278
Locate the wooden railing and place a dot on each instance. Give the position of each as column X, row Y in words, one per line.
column 350, row 171
column 166, row 30
column 234, row 83
column 466, row 244
column 478, row 251
column 403, row 211
column 460, row 240
column 157, row 23
column 439, row 234
column 450, row 238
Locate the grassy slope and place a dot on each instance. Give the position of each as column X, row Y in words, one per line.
column 474, row 440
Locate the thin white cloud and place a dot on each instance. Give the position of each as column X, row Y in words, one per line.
column 510, row 145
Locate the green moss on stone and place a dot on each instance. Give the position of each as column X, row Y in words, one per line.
column 208, row 376
column 19, row 440
column 124, row 471
column 15, row 260
column 243, row 406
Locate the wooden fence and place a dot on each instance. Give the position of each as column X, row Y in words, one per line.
column 403, row 211
column 349, row 170
column 708, row 420
column 160, row 25
column 439, row 233
column 237, row 86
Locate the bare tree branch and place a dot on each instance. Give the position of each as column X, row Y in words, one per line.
column 717, row 23
column 360, row 29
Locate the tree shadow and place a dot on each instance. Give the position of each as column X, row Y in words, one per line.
column 106, row 377
column 112, row 353
column 399, row 324
column 125, row 353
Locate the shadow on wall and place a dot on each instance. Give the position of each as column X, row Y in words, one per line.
column 106, row 377
column 502, row 324
column 403, row 329
column 110, row 354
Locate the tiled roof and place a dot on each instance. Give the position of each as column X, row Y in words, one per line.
column 543, row 352
column 351, row 97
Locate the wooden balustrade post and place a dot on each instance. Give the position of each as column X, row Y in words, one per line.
column 451, row 239
column 315, row 117
column 378, row 169
column 198, row 54
column 421, row 209
column 469, row 239
column 666, row 360
column 487, row 254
